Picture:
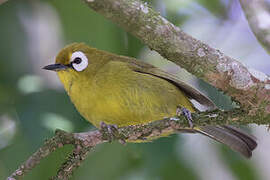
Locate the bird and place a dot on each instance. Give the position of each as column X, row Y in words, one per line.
column 122, row 91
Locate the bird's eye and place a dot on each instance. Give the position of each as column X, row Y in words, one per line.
column 79, row 61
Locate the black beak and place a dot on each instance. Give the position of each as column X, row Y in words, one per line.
column 55, row 67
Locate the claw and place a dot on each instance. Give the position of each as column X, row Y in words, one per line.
column 111, row 132
column 184, row 111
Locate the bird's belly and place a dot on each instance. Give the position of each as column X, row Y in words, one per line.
column 127, row 106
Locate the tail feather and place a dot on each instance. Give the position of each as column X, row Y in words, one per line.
column 234, row 138
column 247, row 138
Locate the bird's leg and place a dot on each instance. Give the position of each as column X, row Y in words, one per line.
column 184, row 111
column 111, row 132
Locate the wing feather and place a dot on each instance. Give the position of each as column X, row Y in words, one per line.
column 189, row 90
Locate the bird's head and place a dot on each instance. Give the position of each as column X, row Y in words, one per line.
column 76, row 62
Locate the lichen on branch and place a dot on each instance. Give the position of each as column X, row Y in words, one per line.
column 258, row 16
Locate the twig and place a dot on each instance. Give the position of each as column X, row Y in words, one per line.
column 84, row 142
column 250, row 88
column 258, row 16
column 82, row 145
column 2, row 1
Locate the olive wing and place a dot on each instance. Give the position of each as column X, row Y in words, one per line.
column 190, row 91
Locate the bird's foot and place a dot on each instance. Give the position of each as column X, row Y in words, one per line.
column 184, row 111
column 110, row 132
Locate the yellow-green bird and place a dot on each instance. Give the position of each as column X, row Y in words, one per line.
column 122, row 91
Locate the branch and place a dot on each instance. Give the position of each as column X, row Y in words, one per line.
column 258, row 16
column 2, row 1
column 249, row 87
column 84, row 142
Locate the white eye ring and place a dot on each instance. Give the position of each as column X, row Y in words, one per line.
column 79, row 61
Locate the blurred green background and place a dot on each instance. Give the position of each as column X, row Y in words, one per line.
column 33, row 103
